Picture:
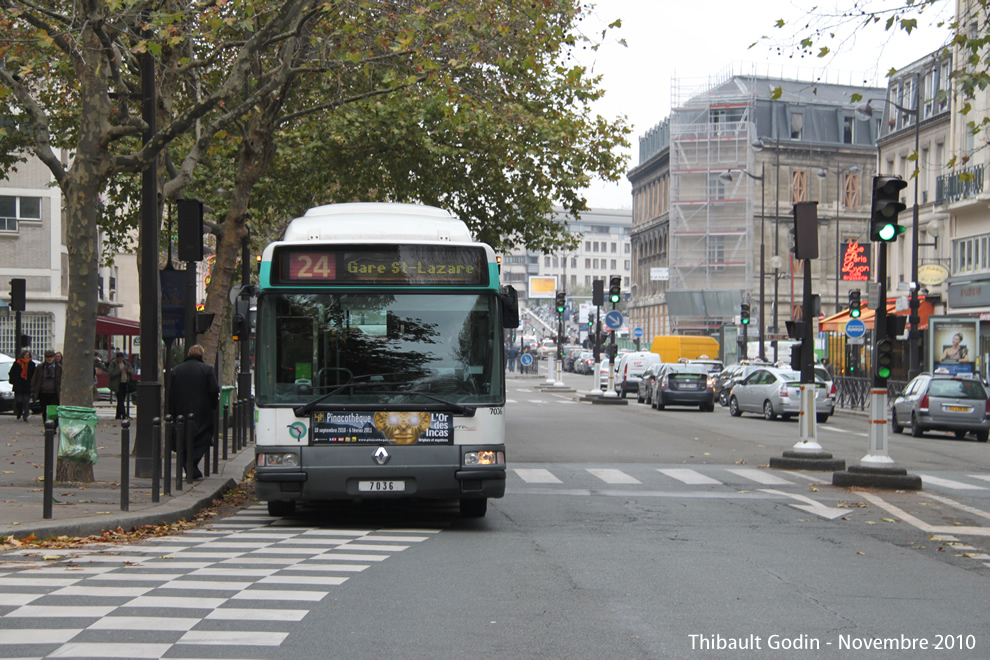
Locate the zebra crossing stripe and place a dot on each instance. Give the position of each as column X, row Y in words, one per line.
column 536, row 476
column 761, row 477
column 689, row 477
column 949, row 483
column 612, row 476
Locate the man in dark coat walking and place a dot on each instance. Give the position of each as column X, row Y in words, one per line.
column 194, row 390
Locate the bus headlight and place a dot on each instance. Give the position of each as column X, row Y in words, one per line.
column 287, row 459
column 484, row 458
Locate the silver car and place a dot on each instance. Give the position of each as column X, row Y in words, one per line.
column 774, row 392
column 936, row 402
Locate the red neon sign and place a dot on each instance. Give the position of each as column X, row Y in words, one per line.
column 855, row 263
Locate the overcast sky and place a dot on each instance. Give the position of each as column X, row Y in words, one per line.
column 674, row 44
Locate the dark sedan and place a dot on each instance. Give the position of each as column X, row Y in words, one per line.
column 683, row 385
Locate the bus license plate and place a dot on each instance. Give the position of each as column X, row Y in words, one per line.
column 381, row 486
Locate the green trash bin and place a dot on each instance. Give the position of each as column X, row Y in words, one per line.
column 77, row 434
column 226, row 394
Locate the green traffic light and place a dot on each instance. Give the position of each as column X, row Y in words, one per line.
column 883, row 372
column 854, row 313
column 887, row 232
column 745, row 321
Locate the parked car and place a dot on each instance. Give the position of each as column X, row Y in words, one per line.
column 570, row 355
column 774, row 392
column 682, row 384
column 728, row 377
column 943, row 402
column 584, row 362
column 629, row 369
column 548, row 348
column 644, row 389
column 823, row 374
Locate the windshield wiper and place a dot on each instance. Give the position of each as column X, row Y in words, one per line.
column 306, row 408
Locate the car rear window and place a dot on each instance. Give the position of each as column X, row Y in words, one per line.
column 957, row 388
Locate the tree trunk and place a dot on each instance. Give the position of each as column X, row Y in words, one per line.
column 70, row 471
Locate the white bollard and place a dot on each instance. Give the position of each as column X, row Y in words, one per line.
column 609, row 389
column 878, row 454
column 551, row 365
column 808, row 422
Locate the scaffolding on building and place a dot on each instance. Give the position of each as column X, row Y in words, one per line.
column 711, row 220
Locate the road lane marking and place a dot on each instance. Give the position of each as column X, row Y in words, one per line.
column 690, row 477
column 536, row 476
column 761, row 477
column 949, row 483
column 612, row 476
column 810, row 505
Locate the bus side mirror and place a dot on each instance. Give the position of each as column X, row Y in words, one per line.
column 510, row 307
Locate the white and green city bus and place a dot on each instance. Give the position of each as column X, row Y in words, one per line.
column 379, row 366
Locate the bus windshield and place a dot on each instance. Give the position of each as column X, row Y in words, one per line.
column 379, row 348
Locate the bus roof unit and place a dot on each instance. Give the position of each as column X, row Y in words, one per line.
column 366, row 222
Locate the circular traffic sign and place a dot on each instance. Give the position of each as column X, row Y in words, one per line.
column 855, row 328
column 613, row 320
column 637, row 332
column 526, row 359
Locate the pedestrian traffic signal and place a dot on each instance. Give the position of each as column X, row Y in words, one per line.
column 561, row 302
column 884, row 359
column 854, row 304
column 18, row 295
column 744, row 313
column 885, row 207
column 614, row 289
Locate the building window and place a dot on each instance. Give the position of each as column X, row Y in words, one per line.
column 587, row 246
column 546, row 262
column 615, row 248
column 971, row 255
column 612, row 265
column 799, row 186
column 847, row 129
column 716, row 187
column 14, row 209
column 797, row 125
column 587, row 263
column 850, row 191
column 716, row 253
column 573, row 262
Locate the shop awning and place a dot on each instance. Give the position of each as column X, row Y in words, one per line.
column 837, row 322
column 114, row 327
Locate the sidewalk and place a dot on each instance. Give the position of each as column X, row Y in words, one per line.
column 87, row 509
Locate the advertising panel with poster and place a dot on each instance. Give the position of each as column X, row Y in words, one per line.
column 954, row 344
column 542, row 287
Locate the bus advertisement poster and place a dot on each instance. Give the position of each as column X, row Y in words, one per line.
column 393, row 427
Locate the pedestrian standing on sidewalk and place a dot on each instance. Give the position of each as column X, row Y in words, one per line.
column 120, row 376
column 47, row 383
column 194, row 390
column 20, row 375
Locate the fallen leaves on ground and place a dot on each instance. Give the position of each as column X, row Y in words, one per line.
column 234, row 499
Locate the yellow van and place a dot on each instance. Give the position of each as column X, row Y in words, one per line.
column 672, row 348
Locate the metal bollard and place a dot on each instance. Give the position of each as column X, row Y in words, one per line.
column 237, row 425
column 250, row 408
column 216, row 444
column 156, row 456
column 169, row 448
column 49, row 489
column 180, row 449
column 190, row 428
column 125, row 465
column 226, row 420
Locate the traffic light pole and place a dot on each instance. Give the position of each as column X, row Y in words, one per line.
column 876, row 469
column 808, row 439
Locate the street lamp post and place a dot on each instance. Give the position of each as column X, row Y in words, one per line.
column 822, row 173
column 865, row 111
column 759, row 145
column 727, row 176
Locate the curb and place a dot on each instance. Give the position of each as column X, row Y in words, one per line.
column 178, row 507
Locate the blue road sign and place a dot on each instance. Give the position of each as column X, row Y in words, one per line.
column 613, row 320
column 855, row 328
column 526, row 359
column 637, row 332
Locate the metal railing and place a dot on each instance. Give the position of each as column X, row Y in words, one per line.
column 854, row 393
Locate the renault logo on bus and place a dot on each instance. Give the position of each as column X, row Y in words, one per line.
column 381, row 456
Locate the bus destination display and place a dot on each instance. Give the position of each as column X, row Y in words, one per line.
column 411, row 264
